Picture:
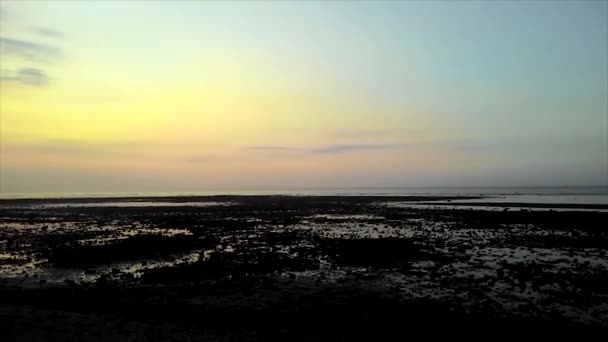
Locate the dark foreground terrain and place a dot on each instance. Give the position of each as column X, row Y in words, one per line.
column 268, row 268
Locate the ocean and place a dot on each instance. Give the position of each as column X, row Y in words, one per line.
column 553, row 195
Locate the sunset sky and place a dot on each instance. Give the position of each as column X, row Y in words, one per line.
column 191, row 96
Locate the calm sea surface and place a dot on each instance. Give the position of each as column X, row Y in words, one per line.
column 554, row 195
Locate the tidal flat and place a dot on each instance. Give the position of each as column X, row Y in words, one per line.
column 296, row 268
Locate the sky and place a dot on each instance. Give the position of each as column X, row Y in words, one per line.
column 194, row 96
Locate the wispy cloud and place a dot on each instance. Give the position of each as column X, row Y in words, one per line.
column 30, row 51
column 28, row 76
column 449, row 146
column 47, row 32
column 329, row 149
column 348, row 148
column 350, row 134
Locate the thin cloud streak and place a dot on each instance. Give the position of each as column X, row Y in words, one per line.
column 30, row 51
column 27, row 76
column 348, row 148
column 329, row 149
column 47, row 32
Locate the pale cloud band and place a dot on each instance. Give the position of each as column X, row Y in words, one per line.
column 30, row 51
column 328, row 149
column 27, row 76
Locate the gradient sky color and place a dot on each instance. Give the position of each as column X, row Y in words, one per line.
column 192, row 96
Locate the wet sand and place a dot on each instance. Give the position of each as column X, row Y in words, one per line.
column 296, row 268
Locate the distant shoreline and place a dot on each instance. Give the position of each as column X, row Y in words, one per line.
column 441, row 202
column 215, row 198
column 433, row 192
